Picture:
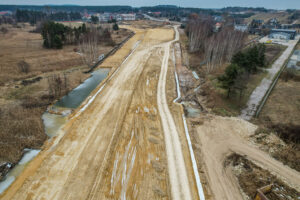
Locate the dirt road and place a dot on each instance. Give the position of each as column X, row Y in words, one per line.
column 114, row 146
column 177, row 170
column 218, row 137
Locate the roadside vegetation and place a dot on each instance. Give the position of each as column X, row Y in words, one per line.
column 243, row 64
column 229, row 66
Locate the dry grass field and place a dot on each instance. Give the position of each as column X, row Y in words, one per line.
column 24, row 96
column 281, row 16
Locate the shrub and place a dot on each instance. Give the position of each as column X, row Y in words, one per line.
column 4, row 30
column 24, row 67
column 115, row 27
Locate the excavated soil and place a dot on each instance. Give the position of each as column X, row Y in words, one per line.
column 251, row 177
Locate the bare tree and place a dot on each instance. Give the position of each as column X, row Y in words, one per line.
column 57, row 85
column 89, row 48
column 198, row 31
column 221, row 46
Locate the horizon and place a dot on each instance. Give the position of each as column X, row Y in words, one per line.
column 212, row 4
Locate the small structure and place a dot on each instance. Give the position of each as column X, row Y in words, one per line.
column 241, row 27
column 285, row 34
column 218, row 18
column 218, row 26
column 128, row 17
column 5, row 13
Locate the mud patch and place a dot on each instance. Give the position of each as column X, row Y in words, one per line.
column 158, row 191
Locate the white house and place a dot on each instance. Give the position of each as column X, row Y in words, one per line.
column 128, row 17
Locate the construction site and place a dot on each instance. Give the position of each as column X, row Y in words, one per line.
column 146, row 132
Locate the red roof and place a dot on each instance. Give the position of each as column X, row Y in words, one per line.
column 3, row 12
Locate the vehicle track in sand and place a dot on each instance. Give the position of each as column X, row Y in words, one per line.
column 217, row 138
column 113, row 148
column 177, row 170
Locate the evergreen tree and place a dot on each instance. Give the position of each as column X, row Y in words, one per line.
column 94, row 19
column 228, row 79
column 115, row 27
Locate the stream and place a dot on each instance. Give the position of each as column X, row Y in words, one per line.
column 54, row 122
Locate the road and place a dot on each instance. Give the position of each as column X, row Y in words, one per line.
column 261, row 90
column 177, row 170
column 123, row 142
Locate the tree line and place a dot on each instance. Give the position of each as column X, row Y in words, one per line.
column 243, row 64
column 70, row 8
column 216, row 46
column 34, row 16
column 55, row 35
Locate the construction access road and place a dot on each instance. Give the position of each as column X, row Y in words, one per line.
column 217, row 138
column 123, row 142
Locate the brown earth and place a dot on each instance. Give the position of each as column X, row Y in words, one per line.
column 115, row 147
column 280, row 116
column 252, row 177
column 217, row 138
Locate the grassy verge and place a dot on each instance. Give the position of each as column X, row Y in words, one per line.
column 235, row 103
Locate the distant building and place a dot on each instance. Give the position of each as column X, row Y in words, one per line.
column 5, row 13
column 284, row 34
column 241, row 27
column 128, row 17
column 105, row 17
column 184, row 19
column 218, row 18
column 218, row 26
column 157, row 14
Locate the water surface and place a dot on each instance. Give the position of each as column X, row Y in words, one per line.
column 79, row 94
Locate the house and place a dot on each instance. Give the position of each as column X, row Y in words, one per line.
column 128, row 17
column 284, row 34
column 241, row 27
column 105, row 17
column 5, row 13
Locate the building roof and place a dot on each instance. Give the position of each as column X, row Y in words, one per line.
column 284, row 30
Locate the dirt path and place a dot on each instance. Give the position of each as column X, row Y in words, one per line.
column 177, row 171
column 218, row 137
column 260, row 91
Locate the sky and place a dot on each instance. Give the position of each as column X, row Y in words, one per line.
column 273, row 4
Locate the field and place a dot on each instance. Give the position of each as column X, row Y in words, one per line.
column 24, row 96
column 281, row 16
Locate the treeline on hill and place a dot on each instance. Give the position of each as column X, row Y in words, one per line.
column 55, row 35
column 70, row 8
column 215, row 46
column 242, row 65
column 242, row 9
column 34, row 16
column 175, row 12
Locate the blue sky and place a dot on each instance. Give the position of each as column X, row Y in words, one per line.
column 276, row 4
